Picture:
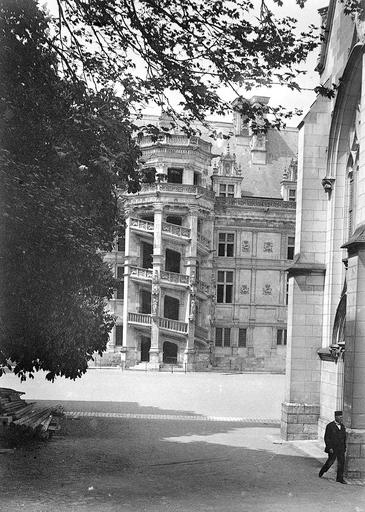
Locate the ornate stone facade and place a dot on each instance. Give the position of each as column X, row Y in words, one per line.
column 204, row 261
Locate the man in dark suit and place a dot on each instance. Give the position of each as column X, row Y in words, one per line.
column 335, row 440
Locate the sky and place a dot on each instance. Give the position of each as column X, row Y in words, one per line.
column 279, row 95
column 282, row 95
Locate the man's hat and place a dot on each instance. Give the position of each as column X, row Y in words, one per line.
column 338, row 413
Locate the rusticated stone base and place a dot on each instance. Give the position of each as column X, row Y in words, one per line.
column 299, row 421
column 355, row 454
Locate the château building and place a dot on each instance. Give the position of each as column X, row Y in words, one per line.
column 208, row 239
column 326, row 318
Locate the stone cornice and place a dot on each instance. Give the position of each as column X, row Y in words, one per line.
column 263, row 202
column 356, row 241
column 306, row 267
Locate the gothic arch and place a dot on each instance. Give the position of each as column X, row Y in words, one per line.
column 344, row 113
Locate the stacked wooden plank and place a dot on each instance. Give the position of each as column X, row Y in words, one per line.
column 28, row 416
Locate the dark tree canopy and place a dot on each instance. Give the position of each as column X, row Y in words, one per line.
column 65, row 149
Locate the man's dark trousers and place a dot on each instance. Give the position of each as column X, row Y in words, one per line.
column 340, row 456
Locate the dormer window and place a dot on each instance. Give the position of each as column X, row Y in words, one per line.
column 226, row 190
column 292, row 194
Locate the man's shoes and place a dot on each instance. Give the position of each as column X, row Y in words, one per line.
column 320, row 474
column 341, row 481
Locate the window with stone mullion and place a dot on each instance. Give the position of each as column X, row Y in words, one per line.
column 225, row 286
column 226, row 244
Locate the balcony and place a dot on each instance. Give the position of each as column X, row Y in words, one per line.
column 142, row 274
column 201, row 332
column 174, row 278
column 143, row 319
column 203, row 242
column 175, row 230
column 173, row 325
column 174, row 139
column 203, row 287
column 139, row 318
column 142, row 225
column 190, row 191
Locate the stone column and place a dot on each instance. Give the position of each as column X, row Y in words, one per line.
column 354, row 377
column 300, row 410
column 155, row 350
column 191, row 258
column 127, row 352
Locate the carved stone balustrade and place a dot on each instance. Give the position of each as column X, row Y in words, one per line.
column 174, row 140
column 173, row 325
column 180, row 188
column 203, row 241
column 141, row 273
column 263, row 202
column 174, row 229
column 143, row 225
column 201, row 332
column 175, row 278
column 139, row 318
column 203, row 287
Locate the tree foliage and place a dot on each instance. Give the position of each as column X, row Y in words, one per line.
column 65, row 149
column 152, row 48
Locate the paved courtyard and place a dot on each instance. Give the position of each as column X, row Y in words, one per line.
column 213, row 394
column 167, row 442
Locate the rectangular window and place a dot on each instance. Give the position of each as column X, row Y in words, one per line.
column 281, row 337
column 119, row 334
column 226, row 190
column 174, row 175
column 227, row 336
column 242, row 338
column 225, row 286
column 290, row 249
column 121, row 244
column 218, row 336
column 197, row 178
column 120, row 285
column 292, row 194
column 226, row 244
column 223, row 337
column 287, row 290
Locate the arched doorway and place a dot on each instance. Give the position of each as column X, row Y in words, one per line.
column 145, row 349
column 170, row 352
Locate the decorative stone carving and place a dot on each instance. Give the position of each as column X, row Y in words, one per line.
column 155, row 294
column 244, row 289
column 327, row 184
column 192, row 307
column 258, row 141
column 245, row 247
column 268, row 247
column 267, row 290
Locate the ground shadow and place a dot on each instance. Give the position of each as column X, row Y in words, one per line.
column 134, row 465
